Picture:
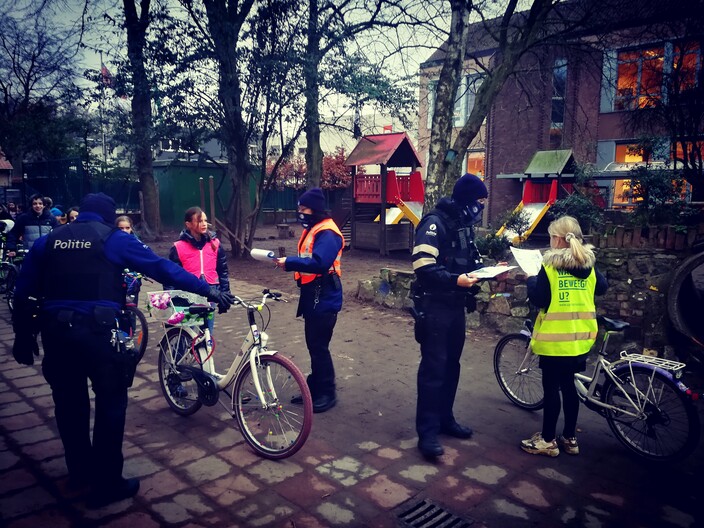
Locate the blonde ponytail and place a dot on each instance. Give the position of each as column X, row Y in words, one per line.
column 568, row 228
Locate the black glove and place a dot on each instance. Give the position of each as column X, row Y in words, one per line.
column 224, row 299
column 25, row 348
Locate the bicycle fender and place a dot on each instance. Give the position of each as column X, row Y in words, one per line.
column 680, row 385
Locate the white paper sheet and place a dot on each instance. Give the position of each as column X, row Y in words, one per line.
column 529, row 260
column 490, row 272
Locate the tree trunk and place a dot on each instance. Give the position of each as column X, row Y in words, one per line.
column 441, row 130
column 136, row 26
column 225, row 23
column 314, row 154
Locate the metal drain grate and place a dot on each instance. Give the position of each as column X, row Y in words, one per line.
column 426, row 514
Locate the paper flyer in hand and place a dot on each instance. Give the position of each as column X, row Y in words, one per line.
column 529, row 260
column 490, row 272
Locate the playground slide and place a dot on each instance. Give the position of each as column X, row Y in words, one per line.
column 411, row 210
column 535, row 211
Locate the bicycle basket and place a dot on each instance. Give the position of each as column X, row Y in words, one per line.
column 171, row 307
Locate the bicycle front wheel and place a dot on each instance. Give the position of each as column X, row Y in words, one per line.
column 139, row 331
column 10, row 280
column 517, row 371
column 177, row 385
column 279, row 426
column 667, row 427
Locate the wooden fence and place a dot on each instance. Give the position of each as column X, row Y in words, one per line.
column 677, row 238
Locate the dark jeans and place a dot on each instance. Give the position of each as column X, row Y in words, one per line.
column 443, row 336
column 559, row 378
column 318, row 331
column 73, row 354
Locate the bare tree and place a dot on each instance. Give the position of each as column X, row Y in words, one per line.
column 513, row 35
column 136, row 25
column 37, row 87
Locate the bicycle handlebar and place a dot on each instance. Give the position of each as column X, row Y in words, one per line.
column 266, row 294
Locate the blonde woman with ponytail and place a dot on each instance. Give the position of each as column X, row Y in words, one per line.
column 565, row 330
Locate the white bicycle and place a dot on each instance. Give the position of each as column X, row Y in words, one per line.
column 646, row 404
column 268, row 394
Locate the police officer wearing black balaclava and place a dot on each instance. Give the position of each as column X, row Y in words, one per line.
column 70, row 289
column 444, row 255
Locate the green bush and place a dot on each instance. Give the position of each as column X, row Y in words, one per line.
column 492, row 246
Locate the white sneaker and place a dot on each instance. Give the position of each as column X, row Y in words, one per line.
column 535, row 445
column 568, row 445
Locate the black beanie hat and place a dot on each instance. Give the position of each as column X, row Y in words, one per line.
column 468, row 189
column 100, row 204
column 313, row 199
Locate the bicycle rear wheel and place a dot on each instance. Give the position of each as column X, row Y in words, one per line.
column 139, row 331
column 668, row 428
column 276, row 428
column 10, row 280
column 177, row 385
column 516, row 369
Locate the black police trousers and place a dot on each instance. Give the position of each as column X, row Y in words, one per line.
column 318, row 332
column 76, row 351
column 442, row 340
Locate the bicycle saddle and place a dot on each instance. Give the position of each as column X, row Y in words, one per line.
column 613, row 325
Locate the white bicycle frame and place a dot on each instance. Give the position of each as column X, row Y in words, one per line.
column 253, row 348
column 653, row 364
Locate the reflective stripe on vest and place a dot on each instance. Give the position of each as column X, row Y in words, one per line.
column 200, row 262
column 569, row 327
column 305, row 250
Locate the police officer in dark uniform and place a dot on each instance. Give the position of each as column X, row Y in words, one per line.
column 444, row 256
column 70, row 289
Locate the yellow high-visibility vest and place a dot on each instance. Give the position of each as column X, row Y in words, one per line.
column 568, row 327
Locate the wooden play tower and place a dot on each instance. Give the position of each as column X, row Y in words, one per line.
column 386, row 205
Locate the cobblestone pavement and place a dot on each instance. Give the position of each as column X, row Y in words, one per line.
column 360, row 466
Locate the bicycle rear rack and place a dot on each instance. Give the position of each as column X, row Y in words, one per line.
column 665, row 364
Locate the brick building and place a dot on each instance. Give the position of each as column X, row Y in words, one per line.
column 580, row 94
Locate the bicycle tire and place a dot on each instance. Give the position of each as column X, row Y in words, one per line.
column 139, row 329
column 670, row 430
column 10, row 280
column 4, row 270
column 282, row 428
column 179, row 388
column 516, row 369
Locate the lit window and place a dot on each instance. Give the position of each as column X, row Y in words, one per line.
column 475, row 163
column 639, row 78
column 686, row 62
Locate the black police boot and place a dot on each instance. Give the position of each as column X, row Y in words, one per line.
column 429, row 447
column 456, row 430
column 324, row 402
column 104, row 495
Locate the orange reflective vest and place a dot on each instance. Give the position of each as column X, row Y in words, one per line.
column 305, row 250
column 200, row 262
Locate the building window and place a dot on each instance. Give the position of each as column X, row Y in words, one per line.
column 557, row 111
column 464, row 103
column 686, row 63
column 639, row 78
column 475, row 163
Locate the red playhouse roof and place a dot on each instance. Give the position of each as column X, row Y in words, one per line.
column 392, row 150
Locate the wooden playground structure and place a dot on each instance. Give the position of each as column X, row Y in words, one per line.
column 386, row 206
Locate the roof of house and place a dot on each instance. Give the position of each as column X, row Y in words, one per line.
column 393, row 150
column 571, row 19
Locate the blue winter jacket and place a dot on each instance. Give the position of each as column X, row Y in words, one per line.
column 123, row 250
column 325, row 248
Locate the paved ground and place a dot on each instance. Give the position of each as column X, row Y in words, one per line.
column 359, row 467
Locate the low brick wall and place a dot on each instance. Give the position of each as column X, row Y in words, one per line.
column 638, row 282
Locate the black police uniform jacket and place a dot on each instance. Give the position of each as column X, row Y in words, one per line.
column 444, row 249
